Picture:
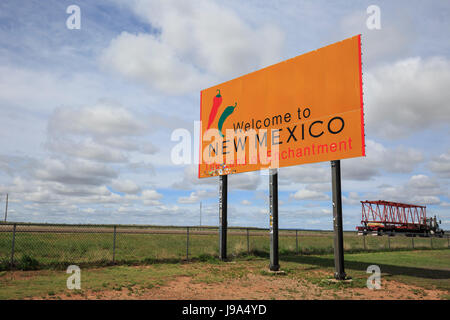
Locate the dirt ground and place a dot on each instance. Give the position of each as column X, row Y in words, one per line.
column 256, row 287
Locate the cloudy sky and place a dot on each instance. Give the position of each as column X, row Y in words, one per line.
column 87, row 114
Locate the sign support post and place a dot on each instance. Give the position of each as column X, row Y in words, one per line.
column 223, row 192
column 337, row 221
column 6, row 209
column 273, row 195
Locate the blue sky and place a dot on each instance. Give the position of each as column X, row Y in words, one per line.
column 87, row 115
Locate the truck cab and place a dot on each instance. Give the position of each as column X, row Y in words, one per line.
column 434, row 228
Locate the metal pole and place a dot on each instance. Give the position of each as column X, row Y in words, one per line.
column 200, row 213
column 248, row 242
column 6, row 210
column 296, row 241
column 13, row 245
column 114, row 246
column 273, row 194
column 223, row 202
column 337, row 220
column 187, row 243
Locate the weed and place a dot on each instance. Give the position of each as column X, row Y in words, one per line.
column 207, row 258
column 419, row 292
column 27, row 263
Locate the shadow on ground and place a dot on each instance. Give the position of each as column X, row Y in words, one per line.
column 362, row 266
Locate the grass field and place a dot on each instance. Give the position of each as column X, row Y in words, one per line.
column 62, row 247
column 418, row 274
column 167, row 263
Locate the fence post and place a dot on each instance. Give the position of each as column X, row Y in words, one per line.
column 431, row 241
column 389, row 241
column 296, row 241
column 248, row 242
column 187, row 243
column 412, row 241
column 448, row 241
column 114, row 247
column 13, row 245
column 364, row 240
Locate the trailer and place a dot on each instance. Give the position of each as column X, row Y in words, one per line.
column 385, row 217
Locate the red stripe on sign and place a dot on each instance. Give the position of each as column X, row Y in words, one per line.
column 361, row 100
column 200, row 138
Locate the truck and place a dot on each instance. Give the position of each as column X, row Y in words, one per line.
column 385, row 217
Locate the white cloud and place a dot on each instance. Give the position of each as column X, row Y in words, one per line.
column 198, row 41
column 419, row 189
column 151, row 198
column 126, row 186
column 196, row 196
column 408, row 96
column 29, row 89
column 98, row 120
column 74, row 172
column 352, row 199
column 305, row 194
column 425, row 199
column 246, row 202
column 85, row 149
column 308, row 173
column 88, row 210
column 395, row 37
column 441, row 165
column 379, row 158
column 422, row 181
column 322, row 187
column 190, row 179
column 146, row 59
column 151, row 195
column 103, row 132
column 244, row 181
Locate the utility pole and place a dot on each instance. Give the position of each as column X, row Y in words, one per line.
column 6, row 210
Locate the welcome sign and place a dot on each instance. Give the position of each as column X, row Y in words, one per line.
column 303, row 110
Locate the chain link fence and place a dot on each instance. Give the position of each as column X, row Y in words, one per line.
column 36, row 246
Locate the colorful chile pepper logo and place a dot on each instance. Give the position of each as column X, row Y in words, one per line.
column 226, row 113
column 216, row 104
column 215, row 108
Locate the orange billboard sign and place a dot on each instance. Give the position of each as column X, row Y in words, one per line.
column 303, row 110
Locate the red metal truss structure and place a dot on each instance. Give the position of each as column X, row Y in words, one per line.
column 394, row 214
